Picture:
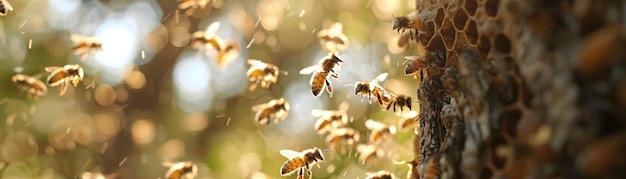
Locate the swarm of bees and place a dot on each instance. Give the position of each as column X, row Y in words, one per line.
column 325, row 67
column 261, row 73
column 300, row 161
column 208, row 41
column 278, row 109
column 181, row 170
column 31, row 85
column 85, row 46
column 5, row 7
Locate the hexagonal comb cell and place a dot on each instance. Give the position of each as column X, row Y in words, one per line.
column 471, row 32
column 502, row 43
column 491, row 7
column 460, row 18
column 448, row 34
column 470, row 7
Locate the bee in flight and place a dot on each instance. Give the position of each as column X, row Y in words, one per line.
column 382, row 174
column 5, row 7
column 325, row 67
column 84, row 46
column 411, row 22
column 369, row 152
column 192, row 5
column 299, row 161
column 208, row 41
column 278, row 109
column 330, row 119
column 261, row 73
column 332, row 39
column 181, row 170
column 350, row 135
column 379, row 130
column 64, row 76
column 399, row 101
column 409, row 120
column 31, row 85
column 366, row 88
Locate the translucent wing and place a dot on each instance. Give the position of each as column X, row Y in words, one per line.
column 259, row 106
column 289, row 153
column 51, row 69
column 317, row 112
column 379, row 79
column 77, row 38
column 309, row 70
column 212, row 29
column 371, row 124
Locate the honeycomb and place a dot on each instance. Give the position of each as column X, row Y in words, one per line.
column 530, row 89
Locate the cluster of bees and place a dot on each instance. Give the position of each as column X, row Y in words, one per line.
column 333, row 122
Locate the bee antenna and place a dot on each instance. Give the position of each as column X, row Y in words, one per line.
column 284, row 72
column 328, row 150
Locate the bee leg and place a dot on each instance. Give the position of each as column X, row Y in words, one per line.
column 301, row 173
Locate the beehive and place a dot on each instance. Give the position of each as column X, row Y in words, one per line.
column 530, row 89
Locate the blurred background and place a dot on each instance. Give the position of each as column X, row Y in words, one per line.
column 149, row 98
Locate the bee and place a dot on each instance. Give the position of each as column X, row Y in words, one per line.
column 369, row 152
column 299, row 161
column 320, row 71
column 64, row 76
column 332, row 39
column 31, row 85
column 5, row 7
column 182, row 170
column 192, row 5
column 330, row 119
column 427, row 66
column 261, row 73
column 382, row 174
column 366, row 88
column 399, row 101
column 379, row 130
column 412, row 22
column 277, row 109
column 208, row 41
column 84, row 46
column 351, row 136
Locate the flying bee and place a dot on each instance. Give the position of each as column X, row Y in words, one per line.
column 31, row 85
column 320, row 71
column 369, row 152
column 366, row 88
column 330, row 119
column 192, row 5
column 182, row 170
column 379, row 130
column 84, row 46
column 208, row 41
column 299, row 161
column 64, row 76
column 332, row 39
column 382, row 174
column 277, row 109
column 411, row 22
column 351, row 136
column 261, row 73
column 5, row 7
column 399, row 101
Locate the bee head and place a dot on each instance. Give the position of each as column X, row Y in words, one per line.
column 336, row 59
column 318, row 154
column 358, row 87
column 400, row 22
column 272, row 70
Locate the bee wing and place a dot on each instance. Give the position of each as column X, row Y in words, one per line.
column 77, row 38
column 371, row 124
column 212, row 29
column 289, row 153
column 317, row 112
column 51, row 69
column 379, row 79
column 259, row 106
column 309, row 69
column 255, row 63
